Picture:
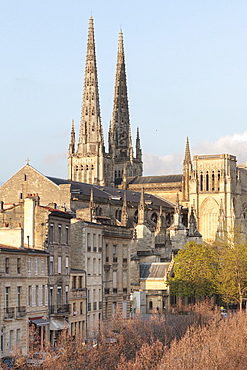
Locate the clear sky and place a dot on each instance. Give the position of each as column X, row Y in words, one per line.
column 186, row 71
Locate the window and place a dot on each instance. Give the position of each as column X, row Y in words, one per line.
column 18, row 298
column 29, row 266
column 80, row 282
column 59, row 233
column 7, row 289
column 114, row 249
column 59, row 295
column 18, row 265
column 43, row 266
column 150, row 305
column 67, row 265
column 17, row 336
column 59, row 265
column 36, row 266
column 11, row 339
column 81, row 308
column 67, row 234
column 74, row 282
column 51, row 265
column 29, row 295
column 66, row 294
column 51, row 231
column 7, row 265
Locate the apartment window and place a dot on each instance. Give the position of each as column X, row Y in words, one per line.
column 43, row 266
column 17, row 336
column 67, row 265
column 36, row 266
column 51, row 233
column 67, row 294
column 67, row 234
column 59, row 233
column 51, row 265
column 37, row 295
column 34, row 296
column 29, row 294
column 114, row 249
column 74, row 282
column 18, row 266
column 59, row 265
column 43, row 295
column 11, row 332
column 29, row 266
column 81, row 308
column 7, row 265
column 7, row 289
column 59, row 295
column 18, row 297
column 80, row 282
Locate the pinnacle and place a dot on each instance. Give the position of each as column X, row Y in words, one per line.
column 187, row 156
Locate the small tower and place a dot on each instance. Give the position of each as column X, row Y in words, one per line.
column 187, row 170
column 120, row 142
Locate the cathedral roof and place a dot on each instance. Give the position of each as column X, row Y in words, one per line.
column 84, row 189
column 154, row 179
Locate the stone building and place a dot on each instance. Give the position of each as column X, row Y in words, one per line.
column 23, row 297
column 34, row 226
column 78, row 303
column 90, row 162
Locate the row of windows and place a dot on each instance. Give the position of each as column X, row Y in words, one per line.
column 59, row 295
column 60, row 236
column 86, row 167
column 94, row 266
column 37, row 295
column 13, row 342
column 59, row 268
column 78, row 308
column 78, row 282
column 209, row 181
column 36, row 266
column 16, row 265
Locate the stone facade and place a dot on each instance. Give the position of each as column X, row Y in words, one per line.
column 24, row 297
column 78, row 303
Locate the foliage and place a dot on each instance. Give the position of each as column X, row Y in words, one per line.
column 232, row 272
column 194, row 271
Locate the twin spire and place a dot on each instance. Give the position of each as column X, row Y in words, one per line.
column 103, row 168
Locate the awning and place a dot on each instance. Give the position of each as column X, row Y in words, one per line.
column 57, row 324
column 39, row 322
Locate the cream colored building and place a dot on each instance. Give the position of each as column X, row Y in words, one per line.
column 78, row 304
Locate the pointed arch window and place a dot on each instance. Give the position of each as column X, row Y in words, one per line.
column 207, row 181
column 201, row 181
column 213, row 185
column 218, row 180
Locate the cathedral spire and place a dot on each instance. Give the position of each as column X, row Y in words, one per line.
column 187, row 156
column 120, row 144
column 138, row 145
column 90, row 130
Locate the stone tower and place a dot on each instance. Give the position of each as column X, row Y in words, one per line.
column 120, row 143
column 87, row 163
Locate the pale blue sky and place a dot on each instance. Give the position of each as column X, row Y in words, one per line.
column 186, row 70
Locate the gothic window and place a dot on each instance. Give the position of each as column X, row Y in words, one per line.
column 207, row 182
column 86, row 112
column 92, row 96
column 87, row 96
column 201, row 181
column 119, row 173
column 218, row 180
column 212, row 180
column 93, row 113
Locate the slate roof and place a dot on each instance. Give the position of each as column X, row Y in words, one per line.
column 155, row 179
column 153, row 270
column 84, row 189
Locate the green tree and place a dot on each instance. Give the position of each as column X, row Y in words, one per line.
column 232, row 272
column 195, row 269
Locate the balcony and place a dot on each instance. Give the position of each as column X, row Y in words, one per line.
column 80, row 292
column 59, row 309
column 9, row 313
column 20, row 312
